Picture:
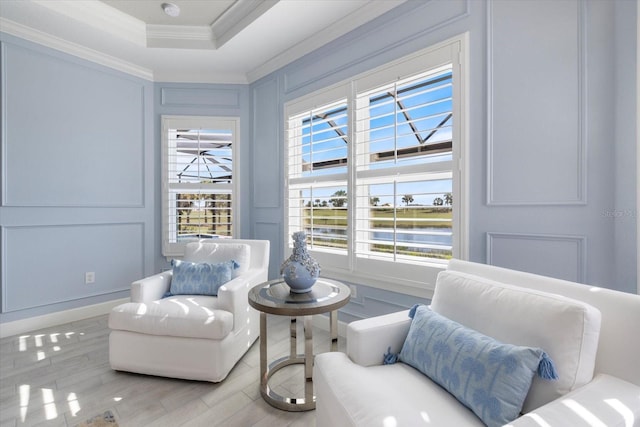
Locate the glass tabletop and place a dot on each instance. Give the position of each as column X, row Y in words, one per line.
column 275, row 297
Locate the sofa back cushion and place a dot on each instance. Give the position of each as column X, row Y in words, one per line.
column 566, row 329
column 220, row 252
column 488, row 377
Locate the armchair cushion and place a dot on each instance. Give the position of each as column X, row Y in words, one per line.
column 220, row 252
column 606, row 401
column 203, row 278
column 178, row 316
column 565, row 328
column 349, row 394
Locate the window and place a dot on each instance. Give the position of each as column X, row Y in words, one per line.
column 373, row 168
column 199, row 180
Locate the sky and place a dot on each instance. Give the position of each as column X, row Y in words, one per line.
column 426, row 101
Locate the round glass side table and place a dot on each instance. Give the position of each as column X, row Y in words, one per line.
column 274, row 297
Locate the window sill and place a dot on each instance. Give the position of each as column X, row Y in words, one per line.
column 421, row 289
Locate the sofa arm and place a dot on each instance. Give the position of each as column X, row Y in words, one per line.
column 233, row 296
column 369, row 339
column 605, row 401
column 151, row 288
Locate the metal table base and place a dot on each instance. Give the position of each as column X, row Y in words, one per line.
column 308, row 401
column 275, row 297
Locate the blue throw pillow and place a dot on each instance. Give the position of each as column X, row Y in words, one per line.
column 190, row 278
column 490, row 378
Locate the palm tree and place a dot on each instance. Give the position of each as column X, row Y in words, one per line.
column 183, row 205
column 407, row 198
column 209, row 208
column 438, row 201
column 448, row 199
column 373, row 201
column 339, row 199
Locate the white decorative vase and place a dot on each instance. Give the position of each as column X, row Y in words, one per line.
column 300, row 271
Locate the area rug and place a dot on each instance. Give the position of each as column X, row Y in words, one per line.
column 102, row 420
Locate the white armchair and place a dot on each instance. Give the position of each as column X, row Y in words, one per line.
column 590, row 333
column 194, row 337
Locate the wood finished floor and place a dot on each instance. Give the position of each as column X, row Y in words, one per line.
column 60, row 376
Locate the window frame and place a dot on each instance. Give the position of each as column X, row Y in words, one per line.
column 407, row 278
column 167, row 122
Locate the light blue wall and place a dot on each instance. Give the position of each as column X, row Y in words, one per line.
column 81, row 152
column 81, row 176
column 77, row 181
column 551, row 163
column 625, row 216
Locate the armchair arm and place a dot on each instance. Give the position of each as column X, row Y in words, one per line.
column 369, row 339
column 151, row 288
column 233, row 296
column 606, row 401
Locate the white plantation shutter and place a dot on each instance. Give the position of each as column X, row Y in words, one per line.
column 374, row 169
column 403, row 166
column 317, row 175
column 198, row 180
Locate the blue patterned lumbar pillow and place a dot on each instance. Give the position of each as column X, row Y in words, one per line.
column 490, row 378
column 190, row 278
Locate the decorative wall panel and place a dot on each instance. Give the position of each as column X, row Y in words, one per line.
column 273, row 233
column 536, row 102
column 47, row 264
column 559, row 256
column 200, row 97
column 72, row 136
column 267, row 150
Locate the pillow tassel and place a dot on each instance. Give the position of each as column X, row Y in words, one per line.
column 546, row 368
column 389, row 358
column 412, row 312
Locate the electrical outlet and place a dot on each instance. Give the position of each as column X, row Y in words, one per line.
column 89, row 277
column 354, row 291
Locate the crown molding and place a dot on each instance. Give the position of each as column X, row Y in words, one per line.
column 101, row 16
column 238, row 17
column 44, row 39
column 180, row 36
column 119, row 24
column 339, row 28
column 116, row 24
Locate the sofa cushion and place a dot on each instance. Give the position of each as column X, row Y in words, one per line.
column 383, row 395
column 179, row 316
column 200, row 278
column 489, row 377
column 605, row 401
column 220, row 252
column 566, row 329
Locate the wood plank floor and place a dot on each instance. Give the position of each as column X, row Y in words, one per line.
column 60, row 376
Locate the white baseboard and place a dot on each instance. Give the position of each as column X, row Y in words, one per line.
column 58, row 318
column 16, row 327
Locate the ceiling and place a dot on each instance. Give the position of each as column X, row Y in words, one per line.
column 211, row 41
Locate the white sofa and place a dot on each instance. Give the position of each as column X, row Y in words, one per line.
column 196, row 337
column 591, row 334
